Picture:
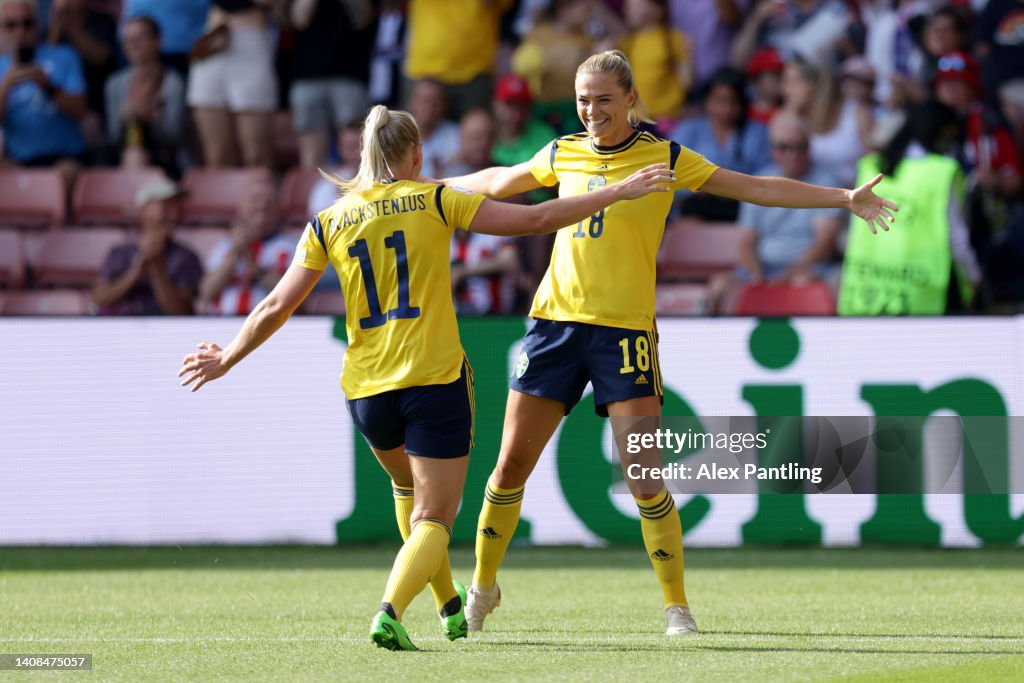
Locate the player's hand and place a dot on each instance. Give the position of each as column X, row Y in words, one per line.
column 205, row 366
column 872, row 208
column 654, row 178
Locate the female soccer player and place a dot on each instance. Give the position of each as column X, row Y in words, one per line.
column 594, row 310
column 408, row 385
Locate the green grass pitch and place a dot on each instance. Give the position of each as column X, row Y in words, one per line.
column 302, row 614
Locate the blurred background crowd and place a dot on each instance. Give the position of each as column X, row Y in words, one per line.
column 160, row 156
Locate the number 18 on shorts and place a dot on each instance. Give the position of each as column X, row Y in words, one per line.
column 558, row 359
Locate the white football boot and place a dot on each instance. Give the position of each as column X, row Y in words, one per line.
column 481, row 602
column 680, row 621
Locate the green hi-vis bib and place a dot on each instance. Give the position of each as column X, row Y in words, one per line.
column 906, row 270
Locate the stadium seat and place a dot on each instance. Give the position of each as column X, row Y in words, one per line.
column 680, row 299
column 768, row 300
column 295, row 190
column 214, row 194
column 31, row 198
column 692, row 251
column 74, row 258
column 201, row 240
column 106, row 196
column 47, row 302
column 324, row 303
column 12, row 259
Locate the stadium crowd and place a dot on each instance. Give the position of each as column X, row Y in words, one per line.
column 161, row 156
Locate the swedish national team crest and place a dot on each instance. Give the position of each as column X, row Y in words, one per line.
column 596, row 183
column 522, row 364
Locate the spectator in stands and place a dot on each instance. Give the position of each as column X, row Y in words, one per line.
column 42, row 93
column 724, row 136
column 764, row 73
column 927, row 266
column 662, row 59
column 790, row 246
column 330, row 70
column 245, row 266
column 232, row 85
column 156, row 275
column 455, row 43
column 990, row 154
column 427, row 104
column 778, row 24
column 891, row 46
column 181, row 24
column 841, row 124
column 992, row 157
column 93, row 35
column 325, row 193
column 477, row 135
column 1001, row 41
column 711, row 25
column 484, row 267
column 548, row 58
column 520, row 135
column 146, row 102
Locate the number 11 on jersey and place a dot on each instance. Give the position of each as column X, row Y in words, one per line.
column 360, row 250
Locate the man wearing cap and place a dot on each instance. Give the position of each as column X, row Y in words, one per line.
column 156, row 275
column 991, row 154
column 519, row 134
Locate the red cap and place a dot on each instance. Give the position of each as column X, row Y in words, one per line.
column 958, row 66
column 764, row 61
column 512, row 88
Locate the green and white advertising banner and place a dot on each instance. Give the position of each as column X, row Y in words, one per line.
column 99, row 444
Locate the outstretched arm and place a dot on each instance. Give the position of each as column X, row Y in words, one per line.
column 499, row 218
column 793, row 194
column 498, row 181
column 269, row 315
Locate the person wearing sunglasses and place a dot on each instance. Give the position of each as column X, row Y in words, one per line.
column 779, row 244
column 42, row 92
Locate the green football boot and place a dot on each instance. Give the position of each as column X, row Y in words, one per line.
column 389, row 634
column 455, row 626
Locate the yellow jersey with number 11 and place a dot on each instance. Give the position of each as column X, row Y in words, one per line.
column 603, row 268
column 390, row 246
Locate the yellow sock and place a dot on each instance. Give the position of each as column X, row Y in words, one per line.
column 663, row 538
column 417, row 561
column 441, row 582
column 498, row 520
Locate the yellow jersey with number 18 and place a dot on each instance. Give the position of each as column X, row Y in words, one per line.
column 390, row 246
column 603, row 268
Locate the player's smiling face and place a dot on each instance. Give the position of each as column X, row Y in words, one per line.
column 603, row 107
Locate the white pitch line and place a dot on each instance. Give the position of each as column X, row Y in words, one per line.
column 512, row 639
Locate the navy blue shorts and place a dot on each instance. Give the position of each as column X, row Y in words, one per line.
column 434, row 421
column 559, row 358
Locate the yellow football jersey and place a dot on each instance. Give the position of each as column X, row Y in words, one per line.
column 603, row 269
column 390, row 246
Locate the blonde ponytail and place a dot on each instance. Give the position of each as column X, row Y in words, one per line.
column 387, row 137
column 615, row 63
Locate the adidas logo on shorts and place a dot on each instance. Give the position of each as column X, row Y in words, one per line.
column 661, row 555
column 488, row 532
column 642, row 379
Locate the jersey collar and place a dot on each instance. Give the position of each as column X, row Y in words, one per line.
column 600, row 149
